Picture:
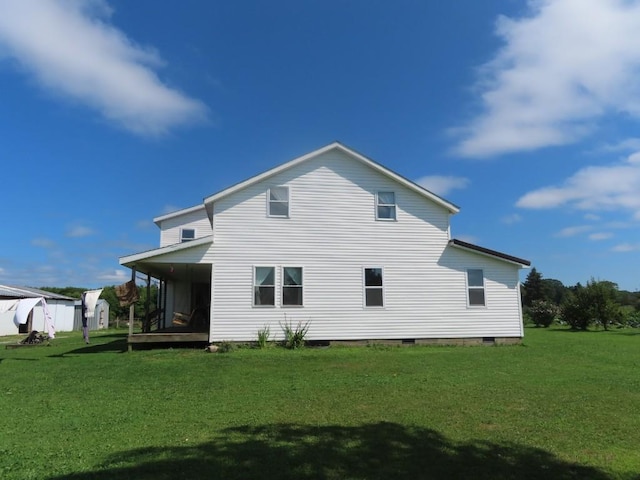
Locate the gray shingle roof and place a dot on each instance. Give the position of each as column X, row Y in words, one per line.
column 10, row 291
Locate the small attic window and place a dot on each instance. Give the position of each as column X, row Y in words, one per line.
column 385, row 206
column 187, row 234
column 278, row 205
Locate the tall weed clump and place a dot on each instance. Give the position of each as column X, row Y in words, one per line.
column 294, row 337
column 264, row 336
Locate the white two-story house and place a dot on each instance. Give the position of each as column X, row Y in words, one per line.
column 337, row 240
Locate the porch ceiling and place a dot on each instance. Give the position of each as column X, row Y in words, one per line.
column 181, row 261
column 177, row 272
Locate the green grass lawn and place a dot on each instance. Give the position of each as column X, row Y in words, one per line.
column 566, row 405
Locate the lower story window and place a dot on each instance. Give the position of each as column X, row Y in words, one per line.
column 373, row 288
column 264, row 286
column 292, row 286
column 475, row 287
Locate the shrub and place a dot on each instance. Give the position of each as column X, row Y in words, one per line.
column 294, row 337
column 575, row 311
column 263, row 337
column 543, row 312
column 226, row 347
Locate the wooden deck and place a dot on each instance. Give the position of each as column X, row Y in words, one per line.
column 168, row 335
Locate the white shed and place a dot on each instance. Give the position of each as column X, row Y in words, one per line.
column 61, row 309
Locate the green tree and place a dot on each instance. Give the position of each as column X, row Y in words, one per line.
column 594, row 303
column 603, row 303
column 554, row 290
column 575, row 309
column 73, row 292
column 533, row 288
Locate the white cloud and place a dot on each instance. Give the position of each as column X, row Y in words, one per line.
column 612, row 187
column 72, row 50
column 626, row 247
column 624, row 145
column 170, row 209
column 79, row 231
column 573, row 231
column 442, row 184
column 591, row 216
column 511, row 219
column 562, row 67
column 118, row 276
column 600, row 236
column 43, row 242
column 144, row 224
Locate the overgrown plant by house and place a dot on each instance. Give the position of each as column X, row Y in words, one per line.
column 264, row 336
column 294, row 337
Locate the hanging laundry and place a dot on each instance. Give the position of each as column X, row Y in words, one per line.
column 48, row 321
column 25, row 306
column 127, row 293
column 89, row 301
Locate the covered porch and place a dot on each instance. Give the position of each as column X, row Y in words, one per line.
column 181, row 313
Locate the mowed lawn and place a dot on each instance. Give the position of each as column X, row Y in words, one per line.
column 565, row 405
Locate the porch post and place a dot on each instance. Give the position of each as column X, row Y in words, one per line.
column 164, row 302
column 147, row 321
column 132, row 308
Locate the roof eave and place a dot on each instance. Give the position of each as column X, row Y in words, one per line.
column 177, row 213
column 521, row 262
column 130, row 260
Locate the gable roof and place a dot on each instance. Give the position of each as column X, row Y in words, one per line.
column 29, row 292
column 339, row 147
column 177, row 213
column 491, row 253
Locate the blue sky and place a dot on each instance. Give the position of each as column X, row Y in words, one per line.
column 523, row 113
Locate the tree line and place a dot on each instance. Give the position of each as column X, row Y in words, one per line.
column 598, row 303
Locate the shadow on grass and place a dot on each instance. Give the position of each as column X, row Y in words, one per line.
column 374, row 451
column 119, row 345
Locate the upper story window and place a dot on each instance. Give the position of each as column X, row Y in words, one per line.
column 278, row 205
column 187, row 234
column 373, row 288
column 385, row 206
column 292, row 286
column 475, row 287
column 264, row 286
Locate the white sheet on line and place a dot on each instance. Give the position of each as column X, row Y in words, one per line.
column 24, row 307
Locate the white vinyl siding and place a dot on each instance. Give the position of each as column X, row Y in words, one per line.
column 171, row 228
column 335, row 235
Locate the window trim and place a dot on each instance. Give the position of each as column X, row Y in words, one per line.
column 476, row 287
column 182, row 239
column 376, row 287
column 283, row 287
column 254, row 286
column 394, row 218
column 287, row 202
